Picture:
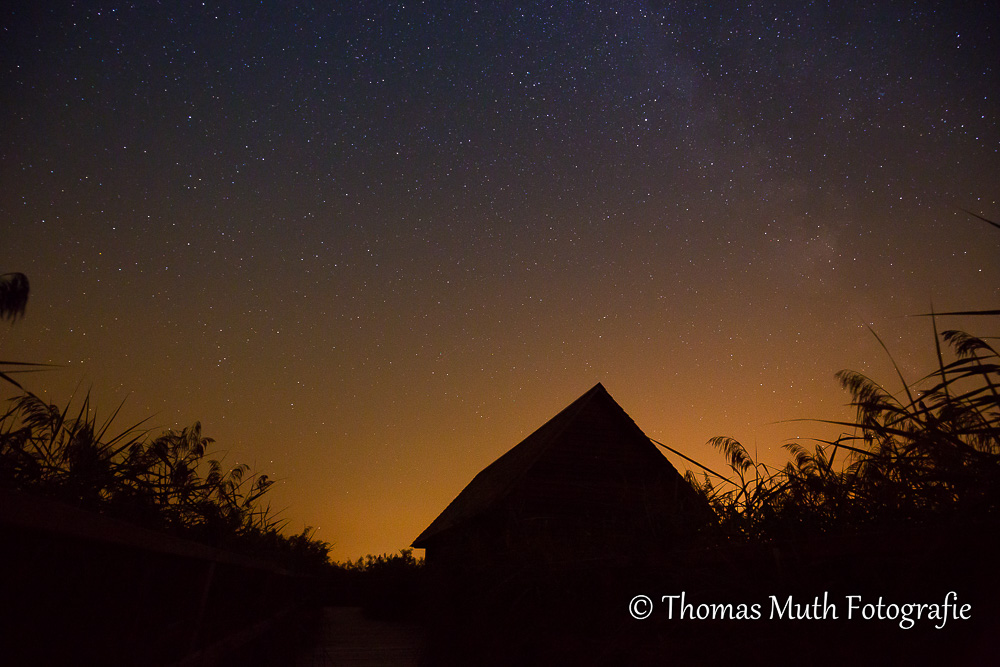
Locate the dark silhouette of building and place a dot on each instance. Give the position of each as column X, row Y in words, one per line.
column 587, row 487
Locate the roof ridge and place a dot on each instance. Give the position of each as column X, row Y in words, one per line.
column 565, row 420
column 494, row 482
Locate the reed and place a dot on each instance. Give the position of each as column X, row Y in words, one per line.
column 929, row 452
column 165, row 482
column 14, row 289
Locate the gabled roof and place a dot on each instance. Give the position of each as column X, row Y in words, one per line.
column 570, row 429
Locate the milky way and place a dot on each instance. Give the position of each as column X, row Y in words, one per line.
column 370, row 249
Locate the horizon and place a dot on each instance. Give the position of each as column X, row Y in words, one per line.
column 372, row 251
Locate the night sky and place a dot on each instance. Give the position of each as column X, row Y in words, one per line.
column 371, row 248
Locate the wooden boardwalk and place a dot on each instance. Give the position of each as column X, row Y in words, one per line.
column 347, row 638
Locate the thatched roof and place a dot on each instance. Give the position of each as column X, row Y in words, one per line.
column 592, row 436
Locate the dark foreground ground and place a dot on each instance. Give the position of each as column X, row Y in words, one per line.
column 345, row 637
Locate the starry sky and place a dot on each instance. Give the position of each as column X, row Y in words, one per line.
column 373, row 245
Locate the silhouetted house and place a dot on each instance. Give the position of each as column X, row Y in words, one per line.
column 588, row 485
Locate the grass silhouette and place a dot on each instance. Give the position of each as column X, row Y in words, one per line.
column 165, row 482
column 929, row 452
column 902, row 506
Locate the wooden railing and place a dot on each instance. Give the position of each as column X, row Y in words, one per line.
column 78, row 587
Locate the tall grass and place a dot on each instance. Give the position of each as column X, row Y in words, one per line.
column 928, row 452
column 388, row 586
column 14, row 289
column 166, row 482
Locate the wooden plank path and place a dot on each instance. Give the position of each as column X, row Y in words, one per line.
column 347, row 638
